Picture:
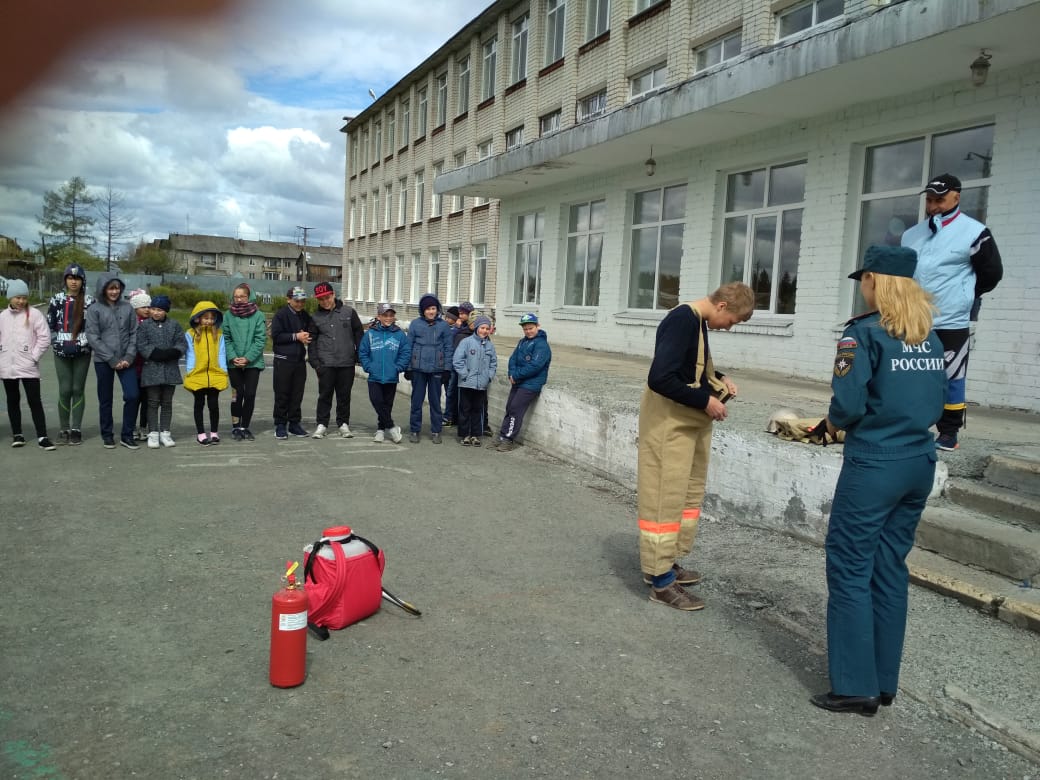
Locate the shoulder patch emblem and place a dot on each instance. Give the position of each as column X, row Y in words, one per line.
column 843, row 363
column 847, row 343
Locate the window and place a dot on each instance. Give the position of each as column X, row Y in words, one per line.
column 478, row 278
column 442, row 98
column 375, row 211
column 406, row 119
column 584, row 251
column 420, row 195
column 487, row 79
column 549, row 124
column 458, row 202
column 648, row 80
column 416, row 279
column 658, row 219
column 399, row 273
column 597, row 18
column 388, row 206
column 272, row 276
column 462, row 97
column 372, row 279
column 422, row 117
column 642, row 5
column 721, row 49
column 436, row 201
column 353, row 217
column 355, row 152
column 402, row 201
column 454, row 274
column 361, row 280
column 377, row 142
column 527, row 271
column 391, row 121
column 434, row 279
column 894, row 175
column 806, row 15
column 384, row 281
column 363, row 222
column 348, row 289
column 762, row 233
column 364, row 149
column 514, row 138
column 592, row 106
column 484, row 150
column 555, row 21
column 518, row 66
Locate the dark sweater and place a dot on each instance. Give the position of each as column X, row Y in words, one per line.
column 284, row 327
column 675, row 359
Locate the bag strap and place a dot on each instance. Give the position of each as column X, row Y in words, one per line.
column 308, row 570
column 704, row 362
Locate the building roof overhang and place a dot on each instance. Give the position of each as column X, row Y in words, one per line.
column 895, row 50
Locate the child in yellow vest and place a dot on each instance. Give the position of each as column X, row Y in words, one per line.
column 206, row 367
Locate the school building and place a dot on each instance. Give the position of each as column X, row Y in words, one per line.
column 600, row 161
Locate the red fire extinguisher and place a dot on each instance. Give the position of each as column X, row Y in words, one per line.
column 289, row 632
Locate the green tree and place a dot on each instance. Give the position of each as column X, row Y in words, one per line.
column 69, row 254
column 67, row 214
column 148, row 259
column 116, row 224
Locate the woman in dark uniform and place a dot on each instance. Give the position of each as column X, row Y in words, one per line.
column 889, row 389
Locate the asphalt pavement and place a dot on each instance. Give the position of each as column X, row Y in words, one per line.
column 136, row 626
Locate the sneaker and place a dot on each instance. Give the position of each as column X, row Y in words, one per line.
column 379, row 436
column 344, row 431
column 682, row 576
column 236, row 434
column 395, row 434
column 449, row 423
column 488, row 432
column 279, row 433
column 129, row 443
column 247, row 435
column 435, row 438
column 319, row 432
column 63, row 437
column 202, row 439
column 296, row 429
column 45, row 443
column 110, row 443
column 166, row 439
column 153, row 440
column 674, row 596
column 475, row 441
column 506, row 445
column 465, row 442
column 140, row 434
column 214, row 438
column 413, row 437
column 75, row 436
column 947, row 442
column 18, row 440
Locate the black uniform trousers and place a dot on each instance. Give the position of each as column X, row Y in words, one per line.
column 290, row 380
column 338, row 380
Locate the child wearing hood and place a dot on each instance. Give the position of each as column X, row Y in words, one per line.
column 430, row 337
column 160, row 344
column 24, row 338
column 206, row 371
column 111, row 325
column 476, row 363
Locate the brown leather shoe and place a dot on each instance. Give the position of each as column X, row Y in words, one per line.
column 674, row 596
column 682, row 576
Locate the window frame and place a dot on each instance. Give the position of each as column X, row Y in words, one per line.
column 555, row 30
column 555, row 122
column 399, row 274
column 377, row 141
column 420, row 196
column 815, row 21
column 458, row 202
column 586, row 233
column 414, row 283
column 442, row 98
column 489, row 65
column 517, row 134
column 384, row 279
column 433, row 276
column 721, row 42
column 521, row 294
column 422, row 116
column 462, row 86
column 436, row 200
column 479, row 260
column 518, row 51
column 581, row 116
column 388, row 205
column 391, row 123
column 642, row 5
column 597, row 16
column 406, row 120
column 402, row 202
column 454, row 274
column 653, row 71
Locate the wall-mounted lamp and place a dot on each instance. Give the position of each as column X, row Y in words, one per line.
column 980, row 68
column 651, row 163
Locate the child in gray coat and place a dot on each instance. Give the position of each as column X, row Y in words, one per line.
column 475, row 362
column 160, row 341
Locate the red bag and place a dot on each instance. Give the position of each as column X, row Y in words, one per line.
column 346, row 586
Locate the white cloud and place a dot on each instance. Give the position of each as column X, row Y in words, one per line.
column 229, row 128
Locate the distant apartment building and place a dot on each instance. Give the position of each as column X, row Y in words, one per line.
column 600, row 162
column 270, row 260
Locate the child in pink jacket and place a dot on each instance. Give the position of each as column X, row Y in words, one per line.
column 24, row 338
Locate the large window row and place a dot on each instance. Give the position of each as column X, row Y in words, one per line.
column 405, row 279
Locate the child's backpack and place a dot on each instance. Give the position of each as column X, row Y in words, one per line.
column 343, row 577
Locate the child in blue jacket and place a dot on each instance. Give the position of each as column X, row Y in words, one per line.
column 475, row 362
column 528, row 371
column 385, row 352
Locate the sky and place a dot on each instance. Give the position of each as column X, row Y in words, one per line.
column 228, row 127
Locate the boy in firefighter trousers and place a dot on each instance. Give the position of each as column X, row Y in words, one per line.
column 675, row 421
column 889, row 387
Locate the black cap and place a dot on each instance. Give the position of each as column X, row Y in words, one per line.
column 888, row 260
column 940, row 185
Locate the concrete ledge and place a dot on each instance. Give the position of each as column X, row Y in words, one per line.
column 1003, row 502
column 1015, row 473
column 969, row 538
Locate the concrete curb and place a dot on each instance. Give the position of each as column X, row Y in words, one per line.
column 1017, row 613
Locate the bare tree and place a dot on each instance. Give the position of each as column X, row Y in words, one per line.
column 116, row 224
column 66, row 214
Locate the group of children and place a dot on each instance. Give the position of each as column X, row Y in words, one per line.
column 135, row 342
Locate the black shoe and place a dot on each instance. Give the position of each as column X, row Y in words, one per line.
column 297, row 430
column 110, row 443
column 17, row 440
column 75, row 436
column 832, row 702
column 886, row 699
column 247, row 435
column 63, row 437
column 129, row 443
column 236, row 434
column 45, row 443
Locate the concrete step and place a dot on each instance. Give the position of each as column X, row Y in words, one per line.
column 1002, row 503
column 1019, row 472
column 990, row 593
column 976, row 540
